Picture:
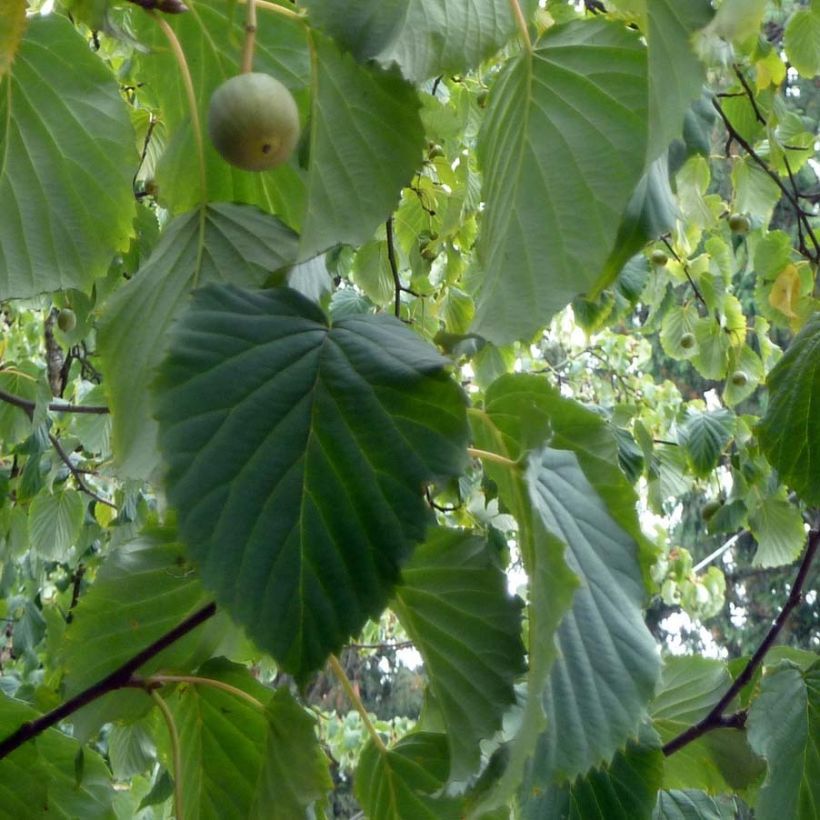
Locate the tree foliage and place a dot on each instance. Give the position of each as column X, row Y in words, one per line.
column 515, row 362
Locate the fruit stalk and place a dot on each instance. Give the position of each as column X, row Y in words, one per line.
column 250, row 37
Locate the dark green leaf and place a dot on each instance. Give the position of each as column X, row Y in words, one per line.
column 789, row 433
column 454, row 604
column 625, row 789
column 54, row 522
column 297, row 455
column 68, row 155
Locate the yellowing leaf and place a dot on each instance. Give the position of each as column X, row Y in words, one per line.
column 785, row 292
column 771, row 70
column 12, row 24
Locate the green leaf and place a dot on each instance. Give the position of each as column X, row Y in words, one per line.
column 704, row 436
column 718, row 760
column 419, row 36
column 130, row 749
column 12, row 26
column 801, row 39
column 366, row 140
column 294, row 773
column 299, row 479
column 143, row 590
column 68, row 155
column 232, row 243
column 675, row 72
column 210, row 37
column 54, row 523
column 562, row 149
column 688, row 804
column 398, row 784
column 453, row 603
column 608, row 663
column 625, row 789
column 783, row 726
column 789, row 433
column 242, row 761
column 777, row 526
column 40, row 778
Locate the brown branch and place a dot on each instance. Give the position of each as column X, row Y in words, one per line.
column 56, row 406
column 118, row 679
column 394, row 268
column 715, row 719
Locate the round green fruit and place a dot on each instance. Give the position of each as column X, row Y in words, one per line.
column 66, row 320
column 739, row 223
column 687, row 341
column 253, row 122
column 659, row 258
column 739, row 378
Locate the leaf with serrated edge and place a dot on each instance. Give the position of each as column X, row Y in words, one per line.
column 778, row 528
column 239, row 244
column 625, row 789
column 398, row 783
column 789, row 433
column 423, row 37
column 68, row 154
column 297, row 455
column 784, row 727
column 704, row 435
column 366, row 140
column 608, row 662
column 562, row 147
column 453, row 602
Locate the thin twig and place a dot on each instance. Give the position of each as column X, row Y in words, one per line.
column 749, row 94
column 685, row 268
column 78, row 477
column 715, row 719
column 394, row 268
column 119, row 678
column 160, row 680
column 56, row 406
column 496, row 458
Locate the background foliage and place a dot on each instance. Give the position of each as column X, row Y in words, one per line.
column 488, row 421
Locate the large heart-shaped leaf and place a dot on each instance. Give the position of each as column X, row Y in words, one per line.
column 562, row 148
column 68, row 155
column 297, row 457
column 454, row 604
